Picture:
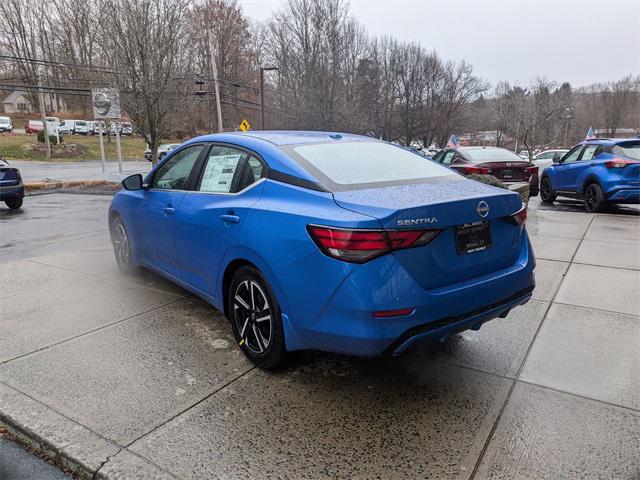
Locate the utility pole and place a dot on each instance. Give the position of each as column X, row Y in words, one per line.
column 262, row 70
column 45, row 131
column 216, row 85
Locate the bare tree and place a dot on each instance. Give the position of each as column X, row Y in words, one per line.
column 143, row 40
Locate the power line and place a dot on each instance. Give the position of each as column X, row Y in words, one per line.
column 51, row 63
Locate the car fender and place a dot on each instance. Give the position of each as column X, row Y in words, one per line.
column 589, row 179
column 548, row 173
column 239, row 252
column 244, row 253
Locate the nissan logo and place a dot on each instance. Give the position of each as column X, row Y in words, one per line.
column 483, row 209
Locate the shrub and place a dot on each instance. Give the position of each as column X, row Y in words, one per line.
column 53, row 140
column 488, row 179
column 494, row 182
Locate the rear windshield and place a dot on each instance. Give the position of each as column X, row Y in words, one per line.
column 627, row 149
column 491, row 154
column 349, row 165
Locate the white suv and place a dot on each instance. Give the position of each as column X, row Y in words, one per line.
column 6, row 125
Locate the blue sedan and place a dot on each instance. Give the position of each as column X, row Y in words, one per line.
column 601, row 172
column 326, row 241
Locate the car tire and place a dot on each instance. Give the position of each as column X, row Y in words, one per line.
column 121, row 243
column 14, row 203
column 250, row 301
column 546, row 193
column 594, row 199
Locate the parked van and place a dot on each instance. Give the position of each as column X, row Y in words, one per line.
column 74, row 127
column 53, row 125
column 6, row 125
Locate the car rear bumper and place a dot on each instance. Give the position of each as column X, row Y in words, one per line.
column 347, row 325
column 624, row 195
column 11, row 192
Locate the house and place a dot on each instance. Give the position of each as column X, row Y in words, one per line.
column 19, row 101
column 16, row 102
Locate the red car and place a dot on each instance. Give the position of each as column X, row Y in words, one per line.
column 501, row 163
column 33, row 126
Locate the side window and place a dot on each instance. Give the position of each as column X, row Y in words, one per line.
column 446, row 160
column 573, row 155
column 173, row 174
column 253, row 171
column 221, row 170
column 589, row 152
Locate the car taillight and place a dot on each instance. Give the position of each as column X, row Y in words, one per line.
column 520, row 217
column 532, row 169
column 477, row 170
column 619, row 163
column 360, row 245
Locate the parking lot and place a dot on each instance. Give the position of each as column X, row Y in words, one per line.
column 134, row 377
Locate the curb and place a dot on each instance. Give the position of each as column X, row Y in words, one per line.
column 66, row 184
column 68, row 443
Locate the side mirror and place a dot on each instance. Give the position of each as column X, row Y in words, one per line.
column 134, row 182
column 556, row 158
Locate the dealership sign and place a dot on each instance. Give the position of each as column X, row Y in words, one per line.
column 106, row 103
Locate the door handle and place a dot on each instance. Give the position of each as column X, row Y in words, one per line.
column 168, row 211
column 230, row 218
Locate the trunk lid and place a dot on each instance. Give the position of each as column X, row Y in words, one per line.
column 508, row 171
column 444, row 205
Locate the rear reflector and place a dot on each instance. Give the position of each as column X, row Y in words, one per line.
column 477, row 170
column 620, row 163
column 360, row 245
column 393, row 313
column 520, row 217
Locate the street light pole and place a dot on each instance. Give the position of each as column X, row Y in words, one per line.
column 262, row 70
column 45, row 130
column 216, row 86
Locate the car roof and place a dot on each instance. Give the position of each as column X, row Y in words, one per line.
column 609, row 141
column 288, row 137
column 479, row 147
column 266, row 143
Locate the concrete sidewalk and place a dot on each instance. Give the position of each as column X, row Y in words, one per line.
column 132, row 377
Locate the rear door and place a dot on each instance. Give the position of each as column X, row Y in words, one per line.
column 211, row 216
column 578, row 170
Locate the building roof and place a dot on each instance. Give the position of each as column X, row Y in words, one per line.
column 13, row 96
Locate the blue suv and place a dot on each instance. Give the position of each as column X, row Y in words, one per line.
column 601, row 172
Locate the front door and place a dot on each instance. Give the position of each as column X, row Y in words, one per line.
column 563, row 170
column 211, row 216
column 156, row 212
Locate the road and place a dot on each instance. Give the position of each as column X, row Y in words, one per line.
column 33, row 171
column 134, row 376
column 17, row 464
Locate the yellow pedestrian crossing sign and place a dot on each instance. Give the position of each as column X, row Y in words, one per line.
column 244, row 125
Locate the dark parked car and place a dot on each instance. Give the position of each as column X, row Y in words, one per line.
column 11, row 188
column 501, row 163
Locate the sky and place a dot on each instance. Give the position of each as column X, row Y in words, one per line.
column 579, row 41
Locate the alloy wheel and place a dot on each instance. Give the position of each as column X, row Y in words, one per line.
column 590, row 198
column 121, row 244
column 252, row 314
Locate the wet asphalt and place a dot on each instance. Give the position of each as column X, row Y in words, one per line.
column 135, row 377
